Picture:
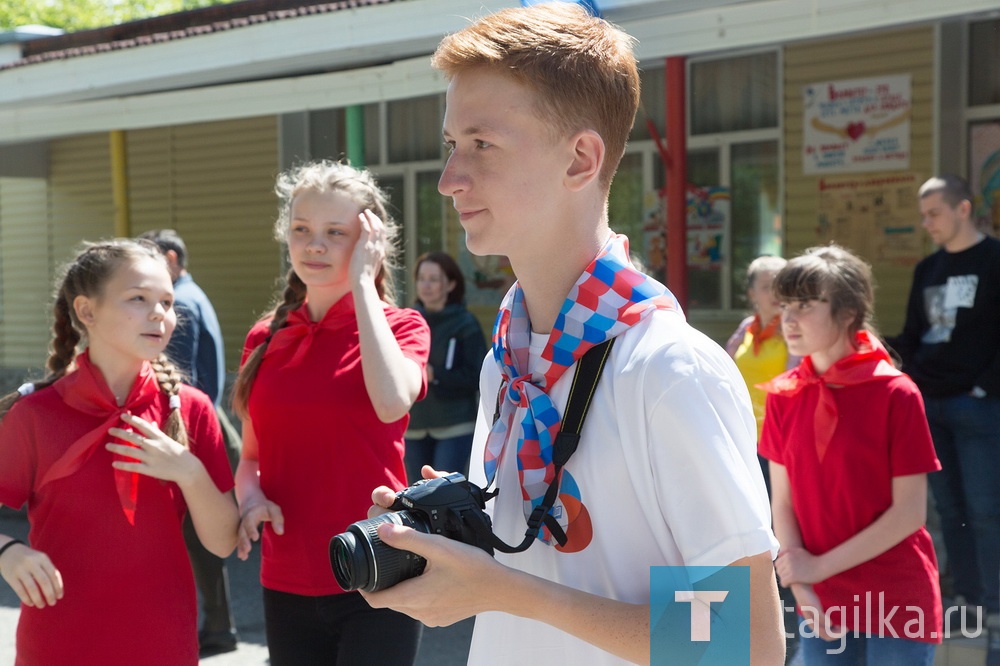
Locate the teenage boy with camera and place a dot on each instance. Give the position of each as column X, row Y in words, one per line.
column 540, row 103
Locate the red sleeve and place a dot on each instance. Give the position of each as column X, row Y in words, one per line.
column 911, row 449
column 414, row 338
column 17, row 454
column 772, row 439
column 205, row 436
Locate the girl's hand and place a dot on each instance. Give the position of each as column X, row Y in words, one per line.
column 798, row 565
column 251, row 517
column 369, row 252
column 154, row 453
column 813, row 614
column 31, row 574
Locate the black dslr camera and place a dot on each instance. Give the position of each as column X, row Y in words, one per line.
column 449, row 506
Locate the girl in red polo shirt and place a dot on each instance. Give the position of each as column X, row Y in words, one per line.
column 107, row 579
column 327, row 382
column 850, row 451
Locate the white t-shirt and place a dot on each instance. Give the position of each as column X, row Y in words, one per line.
column 666, row 469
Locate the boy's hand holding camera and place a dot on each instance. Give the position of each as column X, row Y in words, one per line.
column 460, row 581
column 453, row 571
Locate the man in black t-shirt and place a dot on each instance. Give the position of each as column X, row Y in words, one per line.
column 950, row 346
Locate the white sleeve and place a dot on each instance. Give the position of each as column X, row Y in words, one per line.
column 699, row 432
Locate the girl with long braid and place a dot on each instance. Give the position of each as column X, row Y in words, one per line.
column 106, row 578
column 327, row 382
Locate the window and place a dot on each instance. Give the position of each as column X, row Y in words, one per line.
column 756, row 218
column 734, row 150
column 705, row 281
column 984, row 56
column 625, row 202
column 414, row 129
column 733, row 94
column 327, row 139
column 652, row 105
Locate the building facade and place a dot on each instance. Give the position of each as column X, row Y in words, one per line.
column 806, row 121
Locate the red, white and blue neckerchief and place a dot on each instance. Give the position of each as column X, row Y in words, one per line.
column 608, row 298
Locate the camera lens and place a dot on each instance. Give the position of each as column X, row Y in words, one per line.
column 361, row 561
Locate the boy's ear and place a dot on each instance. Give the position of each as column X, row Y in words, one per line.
column 84, row 310
column 588, row 158
column 964, row 209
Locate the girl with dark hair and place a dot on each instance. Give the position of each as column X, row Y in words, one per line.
column 850, row 451
column 106, row 579
column 442, row 425
column 327, row 381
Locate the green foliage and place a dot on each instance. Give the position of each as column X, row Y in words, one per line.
column 71, row 15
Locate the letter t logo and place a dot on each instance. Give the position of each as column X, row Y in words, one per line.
column 701, row 610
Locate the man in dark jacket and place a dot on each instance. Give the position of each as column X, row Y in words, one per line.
column 950, row 346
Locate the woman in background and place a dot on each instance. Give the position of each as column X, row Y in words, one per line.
column 757, row 345
column 441, row 425
column 328, row 378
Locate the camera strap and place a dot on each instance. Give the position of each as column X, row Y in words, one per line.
column 581, row 393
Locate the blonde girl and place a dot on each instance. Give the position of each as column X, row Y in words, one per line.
column 328, row 379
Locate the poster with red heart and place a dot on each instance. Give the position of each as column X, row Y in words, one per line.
column 856, row 125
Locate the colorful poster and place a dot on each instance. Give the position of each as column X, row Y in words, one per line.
column 654, row 236
column 984, row 173
column 876, row 216
column 707, row 225
column 708, row 211
column 856, row 125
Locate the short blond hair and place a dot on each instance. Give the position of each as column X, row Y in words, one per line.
column 581, row 68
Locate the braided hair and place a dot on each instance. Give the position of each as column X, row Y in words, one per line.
column 322, row 176
column 292, row 298
column 87, row 275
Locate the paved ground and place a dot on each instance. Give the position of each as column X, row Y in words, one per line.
column 446, row 646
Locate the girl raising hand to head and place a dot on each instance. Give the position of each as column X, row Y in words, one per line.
column 327, row 382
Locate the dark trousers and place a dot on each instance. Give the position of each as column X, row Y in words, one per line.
column 212, row 579
column 210, row 573
column 338, row 629
column 444, row 455
column 967, row 492
column 864, row 651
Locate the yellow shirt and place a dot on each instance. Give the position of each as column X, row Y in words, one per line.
column 770, row 362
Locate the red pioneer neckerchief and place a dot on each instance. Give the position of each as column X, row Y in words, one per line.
column 761, row 333
column 86, row 390
column 299, row 331
column 871, row 362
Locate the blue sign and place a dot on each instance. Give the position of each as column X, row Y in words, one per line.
column 589, row 5
column 699, row 616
